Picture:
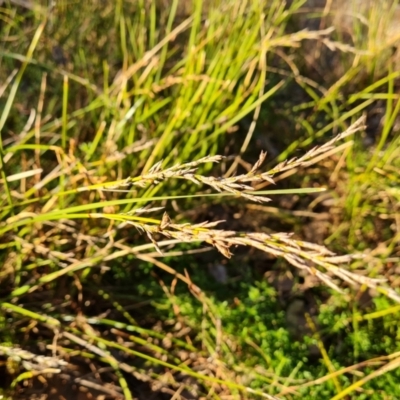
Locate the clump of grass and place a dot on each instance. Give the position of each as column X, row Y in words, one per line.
column 299, row 253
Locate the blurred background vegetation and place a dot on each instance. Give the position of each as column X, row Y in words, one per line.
column 96, row 92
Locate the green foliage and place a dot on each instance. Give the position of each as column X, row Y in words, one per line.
column 111, row 110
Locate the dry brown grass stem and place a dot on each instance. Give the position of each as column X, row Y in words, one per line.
column 303, row 255
column 239, row 185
